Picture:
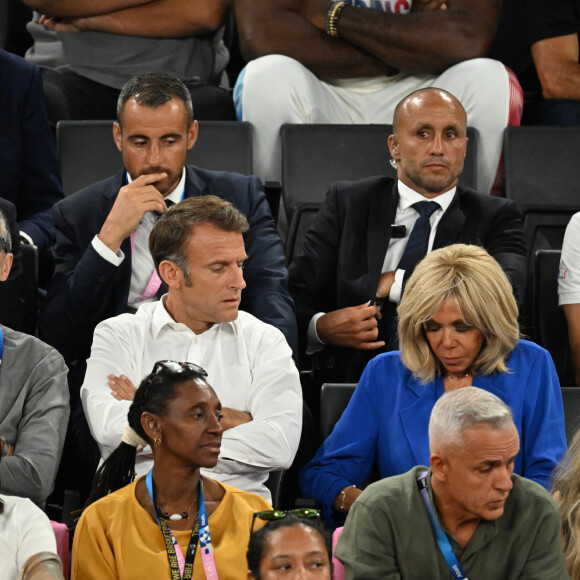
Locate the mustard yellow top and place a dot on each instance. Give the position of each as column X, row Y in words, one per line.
column 116, row 538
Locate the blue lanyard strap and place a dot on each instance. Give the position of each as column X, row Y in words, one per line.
column 440, row 535
column 200, row 530
column 1, row 343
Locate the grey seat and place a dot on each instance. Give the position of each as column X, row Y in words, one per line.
column 313, row 156
column 334, row 398
column 87, row 153
column 571, row 398
column 543, row 177
column 549, row 319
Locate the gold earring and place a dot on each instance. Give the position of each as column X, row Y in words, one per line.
column 157, row 441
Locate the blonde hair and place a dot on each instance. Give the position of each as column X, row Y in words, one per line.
column 484, row 297
column 567, row 487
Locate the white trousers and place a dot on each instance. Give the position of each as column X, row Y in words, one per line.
column 275, row 89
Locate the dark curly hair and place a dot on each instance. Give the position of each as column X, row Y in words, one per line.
column 153, row 396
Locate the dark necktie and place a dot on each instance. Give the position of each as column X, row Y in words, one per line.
column 169, row 204
column 416, row 248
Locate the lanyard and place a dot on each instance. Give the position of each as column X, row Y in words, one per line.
column 440, row 536
column 1, row 343
column 154, row 282
column 182, row 568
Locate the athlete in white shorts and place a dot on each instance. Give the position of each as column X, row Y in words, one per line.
column 275, row 89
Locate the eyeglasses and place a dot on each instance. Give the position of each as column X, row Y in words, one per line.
column 272, row 515
column 177, row 368
column 4, row 243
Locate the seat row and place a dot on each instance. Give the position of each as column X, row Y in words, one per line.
column 334, row 398
column 542, row 176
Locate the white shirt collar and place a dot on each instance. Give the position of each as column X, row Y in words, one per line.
column 408, row 196
column 161, row 318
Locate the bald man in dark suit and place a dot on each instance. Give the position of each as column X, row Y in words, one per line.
column 350, row 273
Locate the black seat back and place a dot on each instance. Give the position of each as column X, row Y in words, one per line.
column 334, row 398
column 313, row 156
column 87, row 152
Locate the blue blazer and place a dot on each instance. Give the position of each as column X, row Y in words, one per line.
column 29, row 174
column 87, row 289
column 386, row 423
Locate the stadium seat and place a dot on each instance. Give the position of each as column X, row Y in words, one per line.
column 543, row 177
column 87, row 152
column 571, row 397
column 549, row 319
column 313, row 156
column 334, row 398
column 62, row 544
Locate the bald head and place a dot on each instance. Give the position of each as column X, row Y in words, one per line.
column 429, row 141
column 417, row 100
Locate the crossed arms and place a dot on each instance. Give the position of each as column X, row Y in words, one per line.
column 151, row 18
column 435, row 35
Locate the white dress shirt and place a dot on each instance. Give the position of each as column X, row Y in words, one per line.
column 142, row 265
column 405, row 216
column 249, row 365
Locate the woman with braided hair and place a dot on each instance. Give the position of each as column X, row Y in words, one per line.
column 173, row 523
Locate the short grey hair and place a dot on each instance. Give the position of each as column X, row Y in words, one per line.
column 5, row 231
column 463, row 409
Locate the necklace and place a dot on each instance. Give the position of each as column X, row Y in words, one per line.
column 458, row 378
column 175, row 517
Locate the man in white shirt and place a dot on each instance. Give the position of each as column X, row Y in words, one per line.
column 198, row 251
column 569, row 288
column 102, row 263
column 349, row 275
column 102, row 266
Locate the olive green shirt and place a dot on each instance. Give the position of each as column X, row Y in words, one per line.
column 388, row 536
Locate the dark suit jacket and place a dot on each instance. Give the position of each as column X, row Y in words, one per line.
column 29, row 174
column 87, row 289
column 340, row 262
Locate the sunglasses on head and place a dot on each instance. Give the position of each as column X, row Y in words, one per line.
column 4, row 244
column 177, row 368
column 272, row 515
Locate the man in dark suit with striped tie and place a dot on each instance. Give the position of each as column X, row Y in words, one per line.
column 368, row 236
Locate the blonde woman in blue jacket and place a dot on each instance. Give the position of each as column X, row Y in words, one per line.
column 458, row 327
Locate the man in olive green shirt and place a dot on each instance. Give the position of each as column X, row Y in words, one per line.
column 497, row 525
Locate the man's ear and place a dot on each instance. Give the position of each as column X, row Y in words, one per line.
column 439, row 467
column 117, row 135
column 394, row 147
column 5, row 266
column 171, row 274
column 192, row 135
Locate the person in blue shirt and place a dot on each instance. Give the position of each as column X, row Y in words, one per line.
column 458, row 327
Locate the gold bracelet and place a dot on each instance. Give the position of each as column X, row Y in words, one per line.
column 343, row 497
column 332, row 18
